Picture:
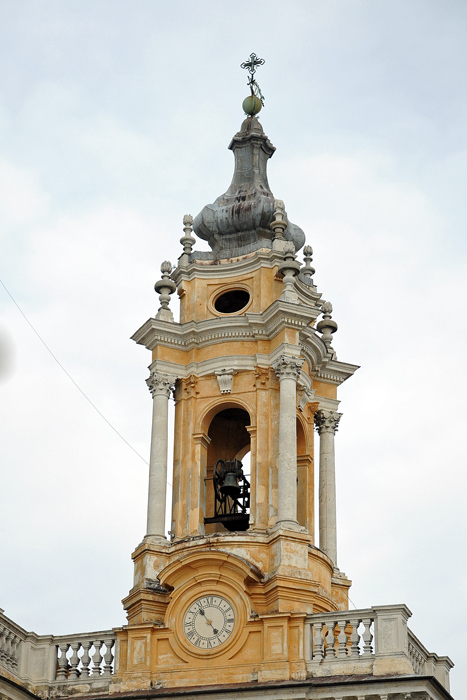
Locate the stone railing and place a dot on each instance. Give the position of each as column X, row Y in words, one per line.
column 373, row 641
column 83, row 656
column 10, row 639
column 47, row 665
column 428, row 664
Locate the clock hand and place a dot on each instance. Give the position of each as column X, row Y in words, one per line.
column 213, row 628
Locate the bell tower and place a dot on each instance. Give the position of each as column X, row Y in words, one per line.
column 253, row 374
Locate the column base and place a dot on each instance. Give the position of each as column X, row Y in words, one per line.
column 157, row 539
column 288, row 525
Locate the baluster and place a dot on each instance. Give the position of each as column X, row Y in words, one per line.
column 367, row 636
column 14, row 651
column 8, row 648
column 330, row 639
column 342, row 639
column 108, row 657
column 86, row 659
column 74, row 661
column 308, row 643
column 318, row 651
column 354, row 639
column 62, row 672
column 3, row 634
column 97, row 658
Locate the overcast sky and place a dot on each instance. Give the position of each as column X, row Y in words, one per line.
column 115, row 117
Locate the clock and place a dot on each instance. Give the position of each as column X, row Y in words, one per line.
column 209, row 622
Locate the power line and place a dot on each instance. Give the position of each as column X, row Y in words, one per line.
column 69, row 375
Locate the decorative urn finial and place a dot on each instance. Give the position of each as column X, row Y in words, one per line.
column 327, row 326
column 165, row 287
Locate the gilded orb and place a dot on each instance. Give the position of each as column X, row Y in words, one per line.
column 251, row 105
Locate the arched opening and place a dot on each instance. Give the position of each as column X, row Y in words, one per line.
column 305, row 481
column 227, row 486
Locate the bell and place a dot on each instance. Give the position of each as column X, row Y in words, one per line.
column 230, row 486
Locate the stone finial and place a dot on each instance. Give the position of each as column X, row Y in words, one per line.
column 289, row 251
column 327, row 326
column 289, row 269
column 187, row 240
column 165, row 287
column 307, row 270
column 279, row 224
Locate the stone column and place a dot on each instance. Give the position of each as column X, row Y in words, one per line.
column 287, row 369
column 326, row 424
column 160, row 386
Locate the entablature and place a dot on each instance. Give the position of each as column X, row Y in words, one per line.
column 336, row 372
column 249, row 327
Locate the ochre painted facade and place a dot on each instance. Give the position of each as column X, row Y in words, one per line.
column 230, row 371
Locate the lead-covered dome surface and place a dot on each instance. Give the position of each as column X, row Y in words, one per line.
column 239, row 220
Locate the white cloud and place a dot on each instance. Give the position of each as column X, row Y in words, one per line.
column 21, row 197
column 113, row 125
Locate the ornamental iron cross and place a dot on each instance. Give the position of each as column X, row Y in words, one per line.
column 251, row 67
column 252, row 63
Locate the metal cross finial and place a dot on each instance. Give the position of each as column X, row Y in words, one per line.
column 251, row 67
column 252, row 63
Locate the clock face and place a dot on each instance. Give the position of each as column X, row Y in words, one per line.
column 209, row 622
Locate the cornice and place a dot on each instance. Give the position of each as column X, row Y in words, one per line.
column 249, row 327
column 335, row 372
column 239, row 267
column 313, row 348
column 229, row 267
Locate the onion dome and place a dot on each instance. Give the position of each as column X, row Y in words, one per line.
column 239, row 221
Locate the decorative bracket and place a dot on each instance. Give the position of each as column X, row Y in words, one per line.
column 225, row 379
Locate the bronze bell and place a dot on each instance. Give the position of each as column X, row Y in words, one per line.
column 230, row 486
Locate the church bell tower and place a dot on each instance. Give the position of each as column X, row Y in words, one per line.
column 237, row 593
column 250, row 364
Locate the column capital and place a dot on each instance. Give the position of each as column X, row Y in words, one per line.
column 288, row 367
column 160, row 384
column 327, row 421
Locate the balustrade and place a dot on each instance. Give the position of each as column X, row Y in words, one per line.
column 9, row 643
column 417, row 655
column 44, row 660
column 85, row 656
column 369, row 641
column 345, row 635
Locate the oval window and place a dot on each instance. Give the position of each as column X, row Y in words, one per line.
column 231, row 302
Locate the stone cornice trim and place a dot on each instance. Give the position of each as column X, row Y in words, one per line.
column 336, row 372
column 207, row 269
column 249, row 327
column 201, row 439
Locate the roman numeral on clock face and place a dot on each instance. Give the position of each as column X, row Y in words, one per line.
column 209, row 622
